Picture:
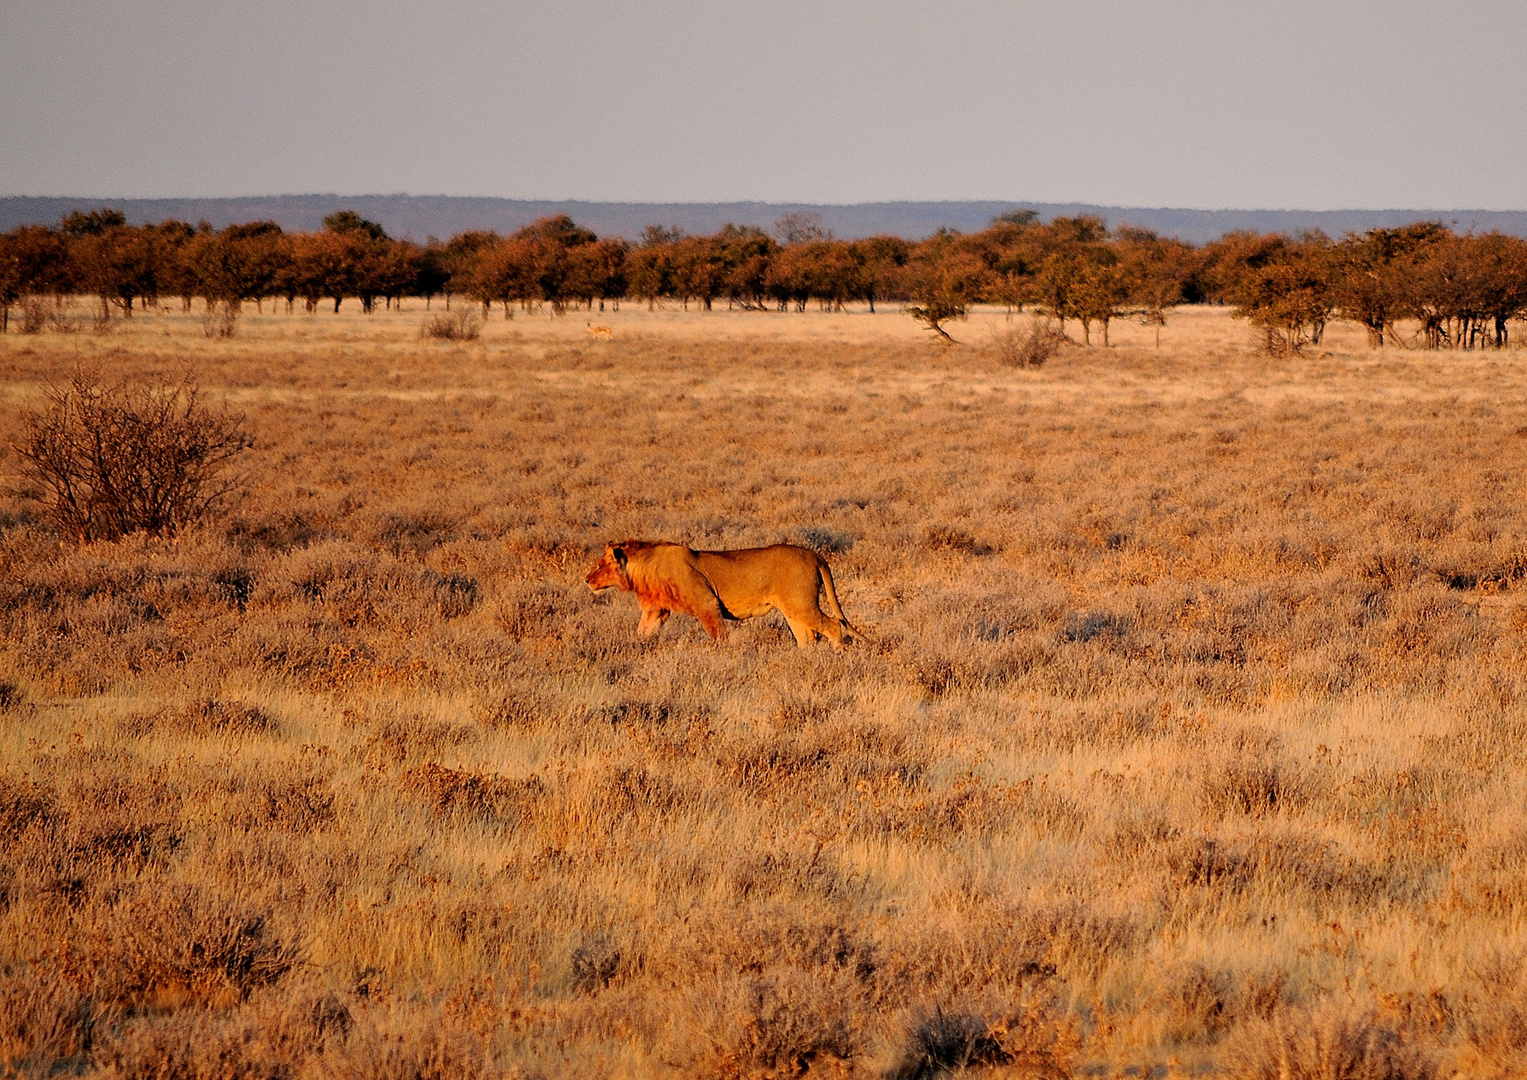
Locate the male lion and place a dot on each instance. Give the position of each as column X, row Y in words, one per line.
column 717, row 585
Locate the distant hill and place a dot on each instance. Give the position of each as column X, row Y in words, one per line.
column 421, row 216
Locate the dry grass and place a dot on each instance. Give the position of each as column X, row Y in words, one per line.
column 1190, row 735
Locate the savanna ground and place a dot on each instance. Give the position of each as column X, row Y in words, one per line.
column 1190, row 726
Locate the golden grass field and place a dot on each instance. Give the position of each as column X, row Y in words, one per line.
column 1188, row 740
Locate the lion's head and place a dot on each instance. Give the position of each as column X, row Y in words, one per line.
column 610, row 571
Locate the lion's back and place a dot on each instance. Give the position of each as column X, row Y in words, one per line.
column 751, row 580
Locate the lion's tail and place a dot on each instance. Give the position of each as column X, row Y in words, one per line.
column 835, row 608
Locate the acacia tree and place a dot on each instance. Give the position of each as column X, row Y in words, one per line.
column 746, row 253
column 650, row 265
column 1156, row 271
column 1101, row 289
column 10, row 279
column 357, row 248
column 118, row 263
column 177, row 271
column 459, row 259
column 34, row 260
column 1367, row 285
column 880, row 259
column 597, row 271
column 1288, row 297
column 944, row 279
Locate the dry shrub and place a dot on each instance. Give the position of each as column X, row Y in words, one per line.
column 782, row 1023
column 1030, row 346
column 273, row 1037
column 44, row 1023
column 953, row 538
column 11, row 695
column 163, row 945
column 462, row 324
column 207, row 717
column 118, row 459
column 1331, row 1043
column 35, row 311
column 408, row 1043
column 1252, row 786
column 940, row 1042
column 220, row 318
column 516, row 712
column 594, row 963
column 1029, row 1038
column 454, row 792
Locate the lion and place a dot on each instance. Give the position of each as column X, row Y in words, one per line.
column 717, row 585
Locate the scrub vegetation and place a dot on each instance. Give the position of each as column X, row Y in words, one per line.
column 1189, row 734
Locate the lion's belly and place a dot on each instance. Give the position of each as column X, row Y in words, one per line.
column 742, row 609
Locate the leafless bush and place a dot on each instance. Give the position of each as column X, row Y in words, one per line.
column 220, row 318
column 203, row 718
column 43, row 1021
column 1029, row 346
column 459, row 325
column 169, row 945
column 941, row 1042
column 35, row 311
column 1333, row 1044
column 118, row 459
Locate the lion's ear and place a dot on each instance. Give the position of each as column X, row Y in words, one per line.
column 620, row 556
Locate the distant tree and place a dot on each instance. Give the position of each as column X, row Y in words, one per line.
column 1020, row 217
column 533, row 264
column 92, row 223
column 118, row 263
column 323, row 268
column 1156, row 271
column 942, row 279
column 801, row 227
column 459, row 262
column 1504, row 284
column 650, row 266
column 1368, row 286
column 787, row 279
column 1057, row 285
column 698, row 269
column 433, row 272
column 359, row 249
column 746, row 253
column 177, row 272
column 10, row 279
column 1288, row 295
column 596, row 271
column 40, row 260
column 881, row 259
column 349, row 223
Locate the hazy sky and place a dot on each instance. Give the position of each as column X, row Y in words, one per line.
column 1250, row 104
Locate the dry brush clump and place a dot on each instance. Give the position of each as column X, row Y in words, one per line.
column 1186, row 715
column 1029, row 346
column 463, row 324
column 116, row 458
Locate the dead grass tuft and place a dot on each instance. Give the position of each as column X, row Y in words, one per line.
column 463, row 324
column 1332, row 1044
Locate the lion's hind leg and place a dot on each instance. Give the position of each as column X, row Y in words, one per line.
column 805, row 633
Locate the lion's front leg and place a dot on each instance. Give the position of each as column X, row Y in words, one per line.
column 652, row 621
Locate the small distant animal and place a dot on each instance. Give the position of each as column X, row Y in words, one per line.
column 714, row 586
column 601, row 331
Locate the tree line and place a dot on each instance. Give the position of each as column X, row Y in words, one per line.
column 1450, row 290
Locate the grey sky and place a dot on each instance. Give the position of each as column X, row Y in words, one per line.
column 1296, row 105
